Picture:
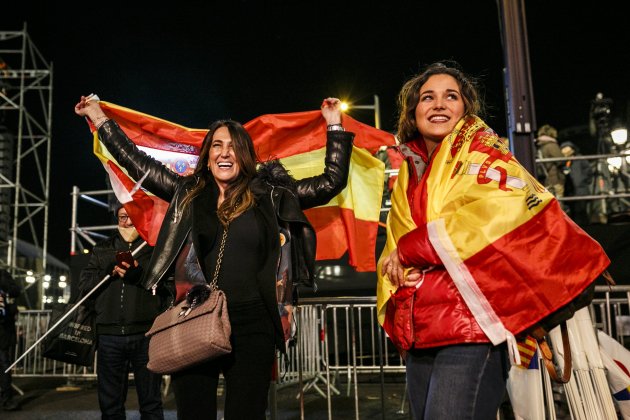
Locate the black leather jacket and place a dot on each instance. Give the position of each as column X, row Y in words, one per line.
column 278, row 197
column 122, row 306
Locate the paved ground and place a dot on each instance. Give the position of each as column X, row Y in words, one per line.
column 52, row 399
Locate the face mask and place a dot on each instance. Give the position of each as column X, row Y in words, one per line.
column 129, row 234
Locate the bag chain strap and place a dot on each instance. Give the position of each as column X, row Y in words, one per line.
column 214, row 283
column 215, row 278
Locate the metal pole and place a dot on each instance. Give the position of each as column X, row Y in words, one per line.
column 376, row 106
column 76, row 305
column 73, row 221
column 382, row 371
column 377, row 112
column 521, row 116
column 354, row 363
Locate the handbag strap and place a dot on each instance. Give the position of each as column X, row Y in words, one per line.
column 547, row 355
column 214, row 283
column 215, row 278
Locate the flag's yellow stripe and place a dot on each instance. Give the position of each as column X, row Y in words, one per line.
column 366, row 180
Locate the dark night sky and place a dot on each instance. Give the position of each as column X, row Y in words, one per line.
column 194, row 62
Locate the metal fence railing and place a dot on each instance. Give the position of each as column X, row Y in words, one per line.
column 339, row 340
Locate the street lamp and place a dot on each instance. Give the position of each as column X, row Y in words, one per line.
column 375, row 106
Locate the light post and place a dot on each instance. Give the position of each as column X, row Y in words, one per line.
column 619, row 165
column 375, row 106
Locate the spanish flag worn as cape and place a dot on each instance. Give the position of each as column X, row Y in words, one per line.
column 348, row 223
column 511, row 251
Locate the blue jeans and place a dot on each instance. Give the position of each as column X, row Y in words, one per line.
column 116, row 356
column 465, row 381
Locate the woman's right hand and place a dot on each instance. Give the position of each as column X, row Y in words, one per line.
column 396, row 272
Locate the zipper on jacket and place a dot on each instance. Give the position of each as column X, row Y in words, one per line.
column 176, row 212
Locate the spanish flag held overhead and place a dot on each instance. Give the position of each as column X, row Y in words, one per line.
column 348, row 223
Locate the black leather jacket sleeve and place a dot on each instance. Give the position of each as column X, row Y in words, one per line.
column 320, row 189
column 160, row 180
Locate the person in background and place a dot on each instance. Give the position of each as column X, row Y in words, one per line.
column 9, row 291
column 579, row 182
column 258, row 209
column 551, row 174
column 124, row 312
column 463, row 272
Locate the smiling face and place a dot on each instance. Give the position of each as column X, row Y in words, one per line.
column 440, row 107
column 222, row 161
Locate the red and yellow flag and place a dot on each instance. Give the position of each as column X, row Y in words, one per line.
column 510, row 250
column 348, row 223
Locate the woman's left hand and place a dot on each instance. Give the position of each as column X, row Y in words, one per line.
column 331, row 110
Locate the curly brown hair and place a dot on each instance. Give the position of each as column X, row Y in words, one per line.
column 409, row 96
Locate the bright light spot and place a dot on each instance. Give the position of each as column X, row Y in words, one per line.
column 46, row 285
column 29, row 273
column 86, row 251
column 60, row 299
column 62, row 284
column 615, row 162
column 62, row 278
column 619, row 135
column 337, row 270
column 47, row 277
column 30, row 279
column 344, row 106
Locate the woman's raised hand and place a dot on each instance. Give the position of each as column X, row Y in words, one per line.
column 331, row 110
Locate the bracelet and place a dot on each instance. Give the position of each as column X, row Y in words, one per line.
column 335, row 127
column 99, row 121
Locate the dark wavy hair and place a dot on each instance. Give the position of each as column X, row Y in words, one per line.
column 409, row 96
column 238, row 196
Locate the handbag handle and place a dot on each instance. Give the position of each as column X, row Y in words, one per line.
column 547, row 354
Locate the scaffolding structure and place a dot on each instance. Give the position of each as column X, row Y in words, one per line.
column 26, row 87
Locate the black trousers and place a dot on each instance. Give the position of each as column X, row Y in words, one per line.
column 6, row 392
column 247, row 373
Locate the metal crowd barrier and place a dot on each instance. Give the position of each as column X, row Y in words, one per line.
column 339, row 339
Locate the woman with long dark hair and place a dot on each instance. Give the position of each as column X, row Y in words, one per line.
column 260, row 208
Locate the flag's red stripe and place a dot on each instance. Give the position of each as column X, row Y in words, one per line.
column 336, row 227
column 149, row 130
column 514, row 254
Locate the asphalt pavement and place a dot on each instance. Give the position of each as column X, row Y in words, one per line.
column 58, row 399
